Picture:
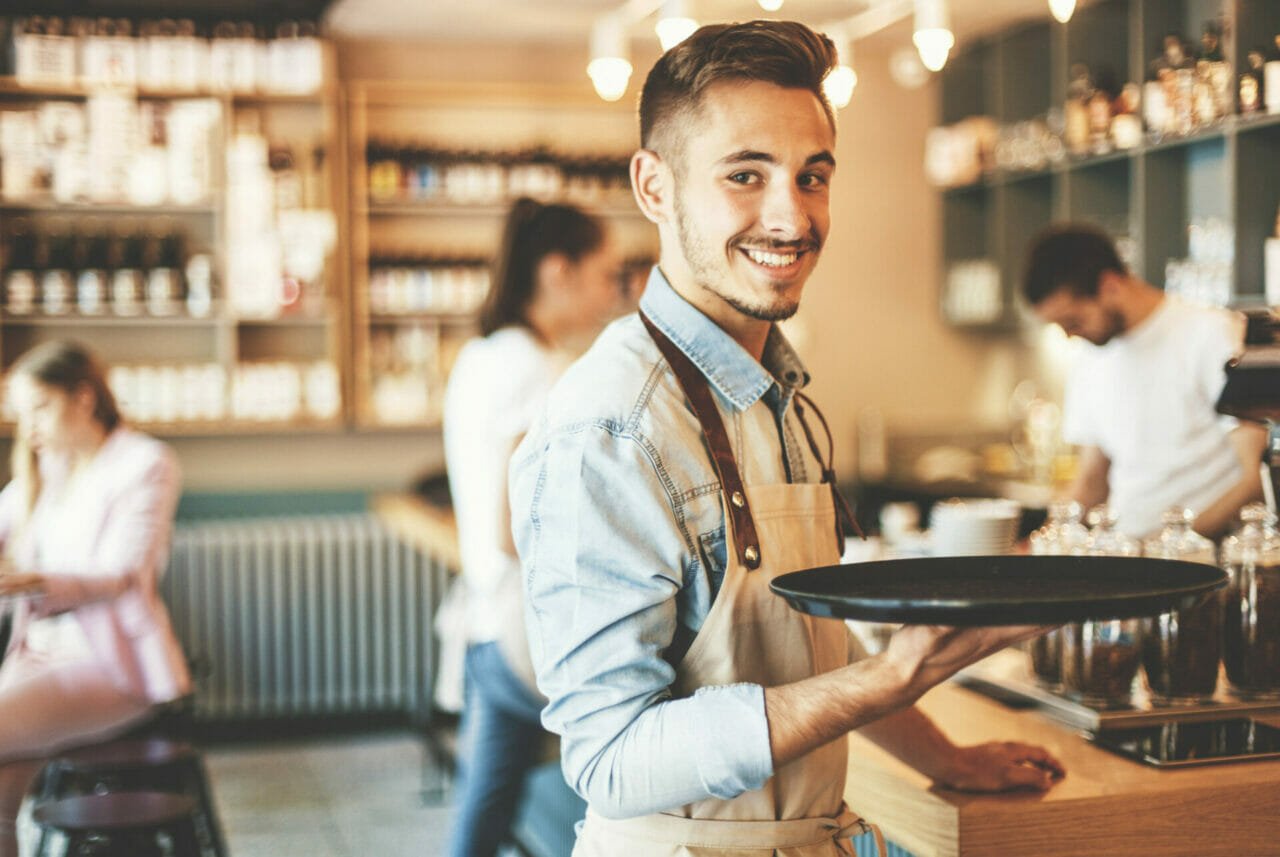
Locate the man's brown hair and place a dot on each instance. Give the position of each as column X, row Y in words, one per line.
column 785, row 53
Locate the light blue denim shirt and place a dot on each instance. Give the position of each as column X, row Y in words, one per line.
column 619, row 526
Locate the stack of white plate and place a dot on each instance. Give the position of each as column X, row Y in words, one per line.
column 980, row 527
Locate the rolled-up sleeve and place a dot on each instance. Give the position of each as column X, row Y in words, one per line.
column 604, row 552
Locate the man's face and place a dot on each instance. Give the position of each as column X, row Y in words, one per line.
column 752, row 193
column 1087, row 317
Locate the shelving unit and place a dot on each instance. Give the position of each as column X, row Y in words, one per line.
column 221, row 338
column 1152, row 192
column 566, row 121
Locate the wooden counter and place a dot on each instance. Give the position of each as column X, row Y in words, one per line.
column 1106, row 805
column 430, row 528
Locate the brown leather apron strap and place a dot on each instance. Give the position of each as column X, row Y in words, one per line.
column 828, row 468
column 695, row 387
column 727, row 835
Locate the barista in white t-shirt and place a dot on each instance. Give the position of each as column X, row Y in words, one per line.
column 1141, row 389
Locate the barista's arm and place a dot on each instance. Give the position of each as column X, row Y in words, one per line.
column 806, row 714
column 992, row 767
column 1091, row 485
column 1249, row 441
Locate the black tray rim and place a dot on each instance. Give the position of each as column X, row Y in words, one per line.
column 967, row 612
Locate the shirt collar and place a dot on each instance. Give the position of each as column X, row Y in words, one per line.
column 726, row 364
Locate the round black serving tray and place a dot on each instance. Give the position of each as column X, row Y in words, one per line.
column 999, row 590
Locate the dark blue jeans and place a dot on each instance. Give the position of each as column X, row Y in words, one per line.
column 501, row 737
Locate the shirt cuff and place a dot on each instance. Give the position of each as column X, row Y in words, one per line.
column 732, row 739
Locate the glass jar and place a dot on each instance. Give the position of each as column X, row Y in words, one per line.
column 1251, row 616
column 1063, row 533
column 1100, row 658
column 1181, row 649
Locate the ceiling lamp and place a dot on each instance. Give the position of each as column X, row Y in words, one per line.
column 674, row 24
column 609, row 69
column 1062, row 9
column 839, row 83
column 770, row 5
column 933, row 37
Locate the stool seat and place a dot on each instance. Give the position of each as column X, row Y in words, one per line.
column 136, row 753
column 115, row 811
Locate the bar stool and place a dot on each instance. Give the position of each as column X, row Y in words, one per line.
column 132, row 764
column 123, row 824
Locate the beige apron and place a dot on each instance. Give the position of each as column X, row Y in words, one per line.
column 751, row 635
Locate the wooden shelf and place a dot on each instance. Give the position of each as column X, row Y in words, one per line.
column 44, row 204
column 284, row 321
column 441, row 317
column 446, row 209
column 12, row 87
column 107, row 320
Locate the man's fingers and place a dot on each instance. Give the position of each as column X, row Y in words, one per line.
column 1028, row 776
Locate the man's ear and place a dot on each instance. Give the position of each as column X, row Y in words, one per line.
column 653, row 185
column 1111, row 286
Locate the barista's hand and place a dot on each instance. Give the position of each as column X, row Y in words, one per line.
column 924, row 655
column 1000, row 766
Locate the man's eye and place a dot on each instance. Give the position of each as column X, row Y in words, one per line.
column 744, row 178
column 813, row 180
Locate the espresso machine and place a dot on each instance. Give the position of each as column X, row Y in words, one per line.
column 1252, row 390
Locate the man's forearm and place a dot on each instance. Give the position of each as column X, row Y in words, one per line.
column 1215, row 521
column 807, row 714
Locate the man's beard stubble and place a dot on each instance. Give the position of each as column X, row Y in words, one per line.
column 702, row 265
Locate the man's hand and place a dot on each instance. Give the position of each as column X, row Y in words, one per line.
column 1000, row 766
column 924, row 655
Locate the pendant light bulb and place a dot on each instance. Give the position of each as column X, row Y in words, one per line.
column 609, row 69
column 674, row 24
column 839, row 83
column 1062, row 10
column 933, row 37
column 770, row 5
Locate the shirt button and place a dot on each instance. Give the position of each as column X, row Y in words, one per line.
column 752, row 556
column 737, row 499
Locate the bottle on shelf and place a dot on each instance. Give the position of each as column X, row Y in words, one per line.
column 53, row 258
column 128, row 288
column 21, row 291
column 162, row 261
column 90, row 259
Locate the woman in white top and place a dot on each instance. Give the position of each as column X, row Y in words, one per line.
column 556, row 281
column 85, row 526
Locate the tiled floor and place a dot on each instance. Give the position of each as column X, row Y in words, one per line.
column 347, row 796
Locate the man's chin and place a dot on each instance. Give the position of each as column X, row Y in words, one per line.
column 780, row 311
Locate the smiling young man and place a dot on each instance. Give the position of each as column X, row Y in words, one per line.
column 675, row 474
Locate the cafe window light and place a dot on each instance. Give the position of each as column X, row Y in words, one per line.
column 1062, row 10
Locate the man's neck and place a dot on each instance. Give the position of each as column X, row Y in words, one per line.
column 1144, row 302
column 750, row 333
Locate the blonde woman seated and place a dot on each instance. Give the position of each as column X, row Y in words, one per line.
column 85, row 526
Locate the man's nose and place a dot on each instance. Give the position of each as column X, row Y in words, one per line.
column 784, row 215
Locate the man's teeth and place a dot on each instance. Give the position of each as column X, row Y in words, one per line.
column 772, row 260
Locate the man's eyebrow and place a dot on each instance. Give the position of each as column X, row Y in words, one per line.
column 823, row 157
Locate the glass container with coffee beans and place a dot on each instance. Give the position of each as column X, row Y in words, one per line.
column 1063, row 533
column 1181, row 649
column 1251, row 615
column 1100, row 658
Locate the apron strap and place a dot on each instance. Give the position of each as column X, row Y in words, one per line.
column 694, row 385
column 828, row 468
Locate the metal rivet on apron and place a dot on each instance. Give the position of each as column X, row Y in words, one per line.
column 751, row 555
column 737, row 499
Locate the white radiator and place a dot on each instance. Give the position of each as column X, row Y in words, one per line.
column 316, row 615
